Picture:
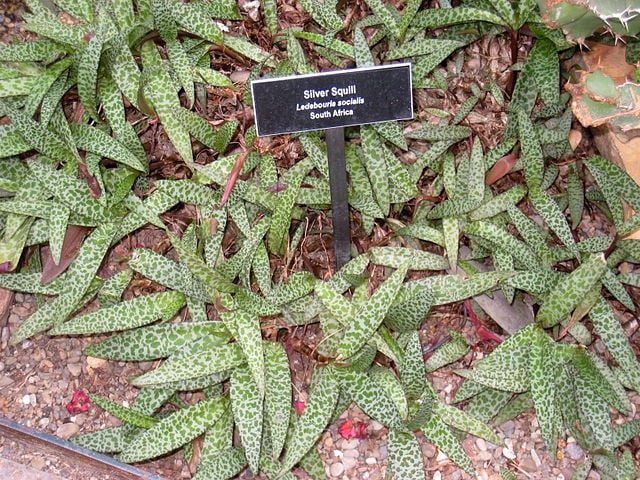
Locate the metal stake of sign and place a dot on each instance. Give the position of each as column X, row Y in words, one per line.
column 339, row 195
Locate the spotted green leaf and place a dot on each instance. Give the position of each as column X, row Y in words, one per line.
column 464, row 422
column 281, row 218
column 568, row 293
column 211, row 280
column 88, row 74
column 126, row 315
column 12, row 143
column 409, row 309
column 605, row 171
column 33, row 51
column 246, row 329
column 174, row 431
column 454, row 288
column 513, row 381
column 507, row 367
column 80, row 274
column 405, row 456
column 125, row 70
column 40, row 138
column 376, row 166
column 387, row 17
column 194, row 365
column 575, row 190
column 363, row 55
column 73, row 193
column 434, row 133
column 319, row 407
column 499, row 203
column 369, row 317
column 366, row 393
column 125, row 414
column 612, row 335
column 418, row 259
column 423, row 231
column 314, row 148
column 615, row 287
column 246, row 403
column 592, row 410
column 441, row 17
column 166, row 272
column 531, row 159
column 94, row 140
column 159, row 91
column 47, row 86
column 48, row 25
column 412, row 369
column 500, row 237
column 546, row 70
column 192, row 17
column 544, row 367
column 222, row 466
column 449, row 352
column 244, row 47
column 278, row 394
column 391, row 131
column 58, row 223
column 438, row 433
column 388, row 383
column 30, row 283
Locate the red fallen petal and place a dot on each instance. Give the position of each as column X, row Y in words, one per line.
column 349, row 429
column 361, row 430
column 299, row 406
column 80, row 402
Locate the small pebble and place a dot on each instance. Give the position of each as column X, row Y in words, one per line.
column 75, row 369
column 508, row 427
column 26, row 399
column 349, row 462
column 38, row 463
column 437, row 476
column 94, row 362
column 1, row 366
column 349, row 444
column 370, row 461
column 336, row 469
column 67, row 430
column 351, row 453
column 481, row 444
column 338, row 453
column 485, row 456
column 376, row 426
column 5, row 380
column 528, row 465
column 508, row 453
column 574, row 451
column 382, row 452
column 429, row 450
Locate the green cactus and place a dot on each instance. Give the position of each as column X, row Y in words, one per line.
column 581, row 18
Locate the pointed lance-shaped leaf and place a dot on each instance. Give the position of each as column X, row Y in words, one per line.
column 175, row 430
column 246, row 403
column 313, row 421
column 369, row 317
column 569, row 292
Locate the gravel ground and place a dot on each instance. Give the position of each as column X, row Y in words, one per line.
column 39, row 376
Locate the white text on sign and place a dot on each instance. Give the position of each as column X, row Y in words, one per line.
column 334, row 106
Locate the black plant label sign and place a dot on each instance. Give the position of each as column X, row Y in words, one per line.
column 341, row 98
